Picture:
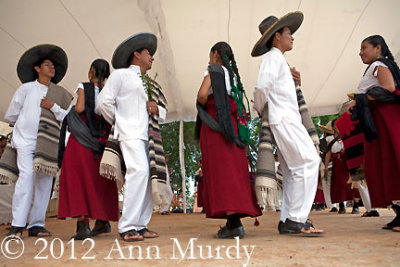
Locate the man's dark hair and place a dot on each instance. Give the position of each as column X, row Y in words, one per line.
column 38, row 63
column 133, row 54
column 271, row 40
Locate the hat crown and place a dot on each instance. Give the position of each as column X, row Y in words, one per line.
column 266, row 23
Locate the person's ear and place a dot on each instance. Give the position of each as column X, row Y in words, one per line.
column 379, row 49
column 37, row 69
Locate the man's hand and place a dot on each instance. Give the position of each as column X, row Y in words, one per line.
column 46, row 103
column 296, row 75
column 152, row 108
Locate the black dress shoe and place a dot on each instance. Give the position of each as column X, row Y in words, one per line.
column 334, row 209
column 101, row 227
column 225, row 233
column 82, row 231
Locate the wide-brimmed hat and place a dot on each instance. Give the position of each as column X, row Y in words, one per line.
column 272, row 24
column 25, row 67
column 328, row 128
column 137, row 41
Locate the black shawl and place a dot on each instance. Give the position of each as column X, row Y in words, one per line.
column 224, row 124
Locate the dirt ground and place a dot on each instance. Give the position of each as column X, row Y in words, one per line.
column 188, row 240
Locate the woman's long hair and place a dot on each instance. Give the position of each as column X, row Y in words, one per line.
column 102, row 69
column 238, row 94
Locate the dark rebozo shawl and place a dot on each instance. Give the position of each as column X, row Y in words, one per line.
column 224, row 124
column 86, row 134
column 46, row 153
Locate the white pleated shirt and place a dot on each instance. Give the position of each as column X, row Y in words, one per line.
column 123, row 99
column 276, row 84
column 24, row 112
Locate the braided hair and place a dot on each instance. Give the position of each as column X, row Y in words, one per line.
column 102, row 69
column 237, row 92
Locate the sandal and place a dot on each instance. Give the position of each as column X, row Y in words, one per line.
column 15, row 232
column 396, row 229
column 306, row 229
column 225, row 233
column 146, row 233
column 132, row 235
column 394, row 223
column 38, row 231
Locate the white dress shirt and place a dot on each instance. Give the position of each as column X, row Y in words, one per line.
column 275, row 83
column 24, row 112
column 124, row 100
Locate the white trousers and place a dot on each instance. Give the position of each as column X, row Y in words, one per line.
column 30, row 185
column 300, row 165
column 138, row 201
column 365, row 196
column 326, row 188
column 170, row 194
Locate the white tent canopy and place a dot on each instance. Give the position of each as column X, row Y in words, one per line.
column 325, row 49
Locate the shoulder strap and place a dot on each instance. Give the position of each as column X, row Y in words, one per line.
column 333, row 142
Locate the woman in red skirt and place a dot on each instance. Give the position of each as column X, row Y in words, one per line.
column 380, row 84
column 228, row 191
column 84, row 193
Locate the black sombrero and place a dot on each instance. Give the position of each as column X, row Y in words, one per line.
column 272, row 24
column 121, row 55
column 25, row 67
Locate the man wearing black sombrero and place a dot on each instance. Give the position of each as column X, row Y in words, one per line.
column 276, row 89
column 36, row 109
column 134, row 103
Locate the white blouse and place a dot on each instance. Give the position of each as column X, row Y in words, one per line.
column 337, row 146
column 227, row 81
column 370, row 80
column 96, row 93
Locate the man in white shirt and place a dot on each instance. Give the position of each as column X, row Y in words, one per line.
column 298, row 156
column 124, row 103
column 37, row 68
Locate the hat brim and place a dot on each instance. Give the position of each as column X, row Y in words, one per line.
column 292, row 20
column 126, row 48
column 326, row 129
column 25, row 68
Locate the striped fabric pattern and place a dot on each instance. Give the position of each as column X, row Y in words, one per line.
column 45, row 158
column 112, row 164
column 267, row 182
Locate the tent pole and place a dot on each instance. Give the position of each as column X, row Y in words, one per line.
column 182, row 163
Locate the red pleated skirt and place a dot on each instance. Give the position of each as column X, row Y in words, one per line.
column 382, row 156
column 83, row 192
column 319, row 197
column 226, row 178
column 200, row 194
column 340, row 189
